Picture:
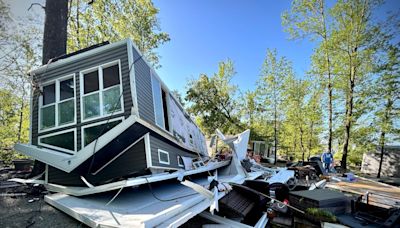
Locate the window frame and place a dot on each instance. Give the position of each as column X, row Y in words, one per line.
column 56, row 147
column 152, row 78
column 93, row 125
column 179, row 158
column 56, row 103
column 101, row 90
column 159, row 157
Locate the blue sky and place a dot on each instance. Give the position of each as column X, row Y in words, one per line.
column 204, row 33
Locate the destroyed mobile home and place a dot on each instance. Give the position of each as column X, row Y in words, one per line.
column 120, row 151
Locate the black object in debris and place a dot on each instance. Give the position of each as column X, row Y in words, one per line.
column 243, row 204
column 246, row 164
column 325, row 199
column 281, row 191
column 317, row 165
column 315, row 158
column 22, row 164
column 258, row 185
column 373, row 215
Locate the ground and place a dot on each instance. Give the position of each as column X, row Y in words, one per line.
column 18, row 211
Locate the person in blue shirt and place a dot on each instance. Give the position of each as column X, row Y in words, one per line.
column 327, row 159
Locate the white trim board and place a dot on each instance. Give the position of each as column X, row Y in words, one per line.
column 130, row 182
column 132, row 77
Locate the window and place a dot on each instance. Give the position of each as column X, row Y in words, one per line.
column 64, row 141
column 57, row 105
column 92, row 132
column 101, row 91
column 157, row 100
column 259, row 148
column 180, row 161
column 163, row 157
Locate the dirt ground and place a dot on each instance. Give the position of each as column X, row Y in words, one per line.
column 17, row 211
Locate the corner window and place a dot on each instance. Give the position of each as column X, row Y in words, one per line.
column 64, row 141
column 57, row 106
column 101, row 91
column 163, row 157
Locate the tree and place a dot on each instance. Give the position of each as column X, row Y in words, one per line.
column 387, row 98
column 105, row 20
column 353, row 39
column 55, row 29
column 270, row 88
column 212, row 99
column 313, row 116
column 22, row 53
column 309, row 18
column 4, row 20
column 178, row 97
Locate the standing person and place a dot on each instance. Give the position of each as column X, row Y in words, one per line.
column 327, row 159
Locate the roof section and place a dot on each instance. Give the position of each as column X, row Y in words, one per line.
column 84, row 53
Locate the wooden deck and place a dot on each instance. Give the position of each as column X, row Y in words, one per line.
column 381, row 194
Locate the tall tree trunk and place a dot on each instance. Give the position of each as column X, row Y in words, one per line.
column 330, row 108
column 54, row 44
column 382, row 144
column 55, row 29
column 385, row 120
column 275, row 133
column 301, row 143
column 21, row 117
column 328, row 68
column 349, row 116
column 310, row 139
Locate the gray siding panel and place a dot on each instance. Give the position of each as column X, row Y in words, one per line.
column 143, row 88
column 131, row 163
column 173, row 151
column 119, row 52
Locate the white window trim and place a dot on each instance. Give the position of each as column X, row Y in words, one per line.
column 56, row 103
column 159, row 157
column 93, row 125
column 101, row 89
column 179, row 161
column 56, row 147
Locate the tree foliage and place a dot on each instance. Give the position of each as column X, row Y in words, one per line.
column 114, row 20
column 212, row 99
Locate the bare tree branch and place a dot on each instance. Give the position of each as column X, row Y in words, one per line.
column 35, row 3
